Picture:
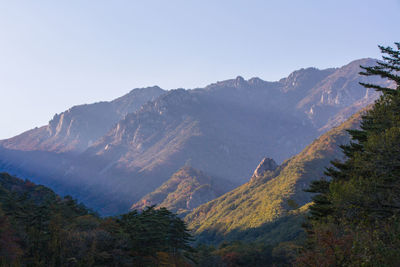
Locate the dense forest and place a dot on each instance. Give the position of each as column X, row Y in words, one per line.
column 39, row 228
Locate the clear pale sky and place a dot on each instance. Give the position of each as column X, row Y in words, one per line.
column 56, row 54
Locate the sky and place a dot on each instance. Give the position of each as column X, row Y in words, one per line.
column 57, row 54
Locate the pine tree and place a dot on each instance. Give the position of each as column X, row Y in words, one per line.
column 155, row 231
column 362, row 195
column 376, row 123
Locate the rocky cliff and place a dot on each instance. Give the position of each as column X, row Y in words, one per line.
column 127, row 148
column 79, row 127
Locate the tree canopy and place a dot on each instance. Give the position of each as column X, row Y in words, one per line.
column 40, row 228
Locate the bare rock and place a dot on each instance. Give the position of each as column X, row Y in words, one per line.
column 267, row 164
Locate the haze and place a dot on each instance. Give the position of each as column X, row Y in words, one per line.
column 57, row 54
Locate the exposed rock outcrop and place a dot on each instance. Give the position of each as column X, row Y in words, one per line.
column 77, row 128
column 267, row 164
column 126, row 148
column 251, row 211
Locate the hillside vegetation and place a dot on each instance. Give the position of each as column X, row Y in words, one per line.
column 185, row 190
column 256, row 207
column 355, row 216
column 40, row 228
column 110, row 155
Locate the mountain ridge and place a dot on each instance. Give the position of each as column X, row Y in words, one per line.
column 80, row 126
column 223, row 130
column 185, row 190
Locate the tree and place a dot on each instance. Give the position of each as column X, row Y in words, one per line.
column 10, row 250
column 362, row 196
column 153, row 233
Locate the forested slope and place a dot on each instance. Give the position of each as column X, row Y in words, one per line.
column 255, row 208
column 40, row 228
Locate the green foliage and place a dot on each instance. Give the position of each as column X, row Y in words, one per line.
column 355, row 218
column 155, row 230
column 251, row 211
column 187, row 188
column 39, row 228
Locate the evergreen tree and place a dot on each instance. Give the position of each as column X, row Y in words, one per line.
column 362, row 196
column 39, row 228
column 155, row 231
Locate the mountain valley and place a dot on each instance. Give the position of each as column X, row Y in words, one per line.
column 112, row 154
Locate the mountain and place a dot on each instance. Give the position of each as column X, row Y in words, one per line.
column 336, row 92
column 267, row 207
column 187, row 189
column 223, row 130
column 77, row 128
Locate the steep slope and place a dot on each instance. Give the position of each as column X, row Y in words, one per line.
column 223, row 129
column 41, row 228
column 338, row 91
column 213, row 135
column 10, row 186
column 270, row 198
column 187, row 189
column 52, row 169
column 77, row 128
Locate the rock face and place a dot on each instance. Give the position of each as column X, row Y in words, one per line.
column 119, row 151
column 267, row 164
column 80, row 126
column 339, row 90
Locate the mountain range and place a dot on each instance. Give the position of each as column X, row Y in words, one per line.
column 112, row 154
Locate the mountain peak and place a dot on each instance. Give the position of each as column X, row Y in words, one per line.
column 256, row 81
column 145, row 89
column 185, row 190
column 135, row 143
column 240, row 81
column 354, row 66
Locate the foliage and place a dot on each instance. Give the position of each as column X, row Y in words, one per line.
column 155, row 230
column 269, row 209
column 186, row 189
column 39, row 228
column 355, row 218
column 244, row 254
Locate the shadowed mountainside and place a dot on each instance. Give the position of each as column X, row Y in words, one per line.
column 256, row 205
column 187, row 189
column 223, row 130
